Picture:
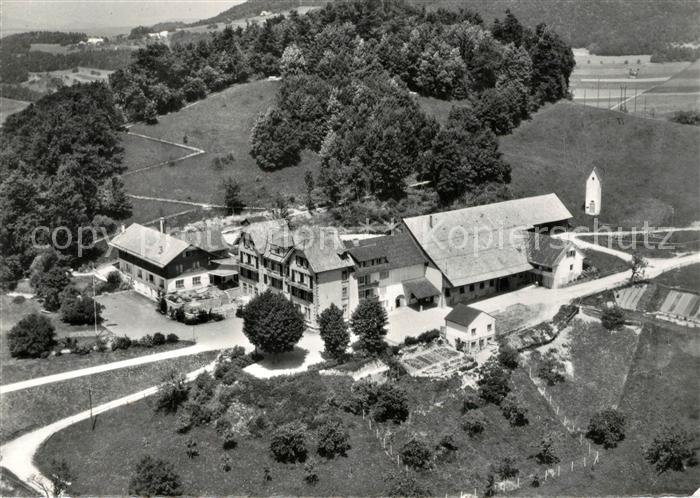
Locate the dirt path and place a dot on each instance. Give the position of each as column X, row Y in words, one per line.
column 175, row 201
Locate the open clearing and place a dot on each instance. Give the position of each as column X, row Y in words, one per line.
column 662, row 388
column 27, row 409
column 651, row 245
column 219, row 124
column 653, row 178
column 141, row 153
column 687, row 277
column 10, row 106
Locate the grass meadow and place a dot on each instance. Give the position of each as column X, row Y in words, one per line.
column 10, row 106
column 656, row 245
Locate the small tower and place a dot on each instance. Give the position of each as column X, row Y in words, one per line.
column 593, row 193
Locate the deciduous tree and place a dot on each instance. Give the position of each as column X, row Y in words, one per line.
column 272, row 323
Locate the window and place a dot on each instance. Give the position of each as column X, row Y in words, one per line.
column 179, row 284
column 571, row 267
column 481, row 285
column 265, row 279
column 139, row 273
column 197, row 280
column 491, row 282
column 345, row 292
column 461, row 290
column 150, row 278
column 161, row 283
column 471, row 287
column 345, row 309
column 447, row 292
column 344, row 276
column 473, row 331
column 571, row 254
column 489, row 327
column 383, row 275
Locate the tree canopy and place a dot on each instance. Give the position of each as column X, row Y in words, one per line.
column 272, row 323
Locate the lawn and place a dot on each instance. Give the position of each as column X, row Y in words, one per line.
column 10, row 106
column 140, row 152
column 653, row 245
column 605, row 263
column 687, row 277
column 598, row 362
column 662, row 388
column 558, row 147
column 103, row 460
column 219, row 124
column 21, row 411
column 686, row 81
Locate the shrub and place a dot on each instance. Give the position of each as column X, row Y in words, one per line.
column 183, row 422
column 162, row 306
column 172, row 338
column 613, row 318
column 191, row 448
column 391, row 404
column 172, row 392
column 154, row 477
column 114, row 279
column 416, row 454
column 508, row 356
column 50, row 285
column 333, row 439
column 310, row 473
column 121, row 343
column 258, row 425
column 31, row 337
column 545, row 453
column 514, row 413
column 146, row 341
column 449, row 442
column 471, row 401
column 362, row 396
column 550, row 369
column 199, row 413
column 228, row 439
column 473, row 423
column 405, row 484
column 226, row 463
column 288, row 443
column 158, row 339
column 506, row 468
column 671, row 449
column 606, row 427
column 494, row 382
column 18, row 300
column 687, row 117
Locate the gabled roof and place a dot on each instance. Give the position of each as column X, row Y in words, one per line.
column 420, row 288
column 464, row 315
column 260, row 233
column 596, row 171
column 322, row 248
column 484, row 242
column 399, row 250
column 545, row 250
column 149, row 244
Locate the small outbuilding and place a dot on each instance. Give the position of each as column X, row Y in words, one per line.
column 594, row 190
column 469, row 326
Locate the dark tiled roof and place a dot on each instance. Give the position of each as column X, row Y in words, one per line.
column 545, row 250
column 399, row 250
column 208, row 239
column 462, row 314
column 420, row 288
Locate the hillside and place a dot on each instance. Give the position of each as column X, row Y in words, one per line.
column 650, row 167
column 255, row 7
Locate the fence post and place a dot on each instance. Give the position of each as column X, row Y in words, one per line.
column 589, row 448
column 572, row 465
column 584, row 461
column 580, row 439
column 363, row 414
column 596, row 457
column 558, row 470
column 398, row 461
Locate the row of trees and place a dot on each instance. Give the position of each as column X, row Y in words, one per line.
column 59, row 165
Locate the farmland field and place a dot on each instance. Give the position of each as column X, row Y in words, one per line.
column 220, row 125
column 10, row 106
column 653, row 178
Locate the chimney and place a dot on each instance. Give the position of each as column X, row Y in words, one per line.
column 162, row 224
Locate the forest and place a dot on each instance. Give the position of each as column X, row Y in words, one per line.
column 350, row 73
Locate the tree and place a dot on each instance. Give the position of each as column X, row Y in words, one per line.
column 506, row 468
column 494, row 382
column 31, row 337
column 155, row 477
column 473, row 422
column 508, row 356
column 671, row 449
column 79, row 309
column 292, row 62
column 550, row 369
column 369, row 323
column 60, row 476
column 637, row 266
column 113, row 200
column 50, row 285
column 545, row 452
column 274, row 141
column 288, row 443
column 417, row 454
column 310, row 472
column 613, row 318
column 404, row 484
column 333, row 439
column 172, row 392
column 272, row 323
column 334, row 331
column 232, row 192
column 606, row 427
column 391, row 404
column 516, row 414
column 471, row 401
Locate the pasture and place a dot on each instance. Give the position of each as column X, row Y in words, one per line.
column 650, row 245
column 10, row 106
column 220, row 125
column 49, row 81
column 649, row 167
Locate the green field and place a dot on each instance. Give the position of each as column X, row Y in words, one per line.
column 649, row 167
column 686, row 81
column 10, row 106
column 687, row 277
column 27, row 409
column 141, row 153
column 220, row 125
column 661, row 388
column 654, row 245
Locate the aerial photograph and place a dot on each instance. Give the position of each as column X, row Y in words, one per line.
column 350, row 248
